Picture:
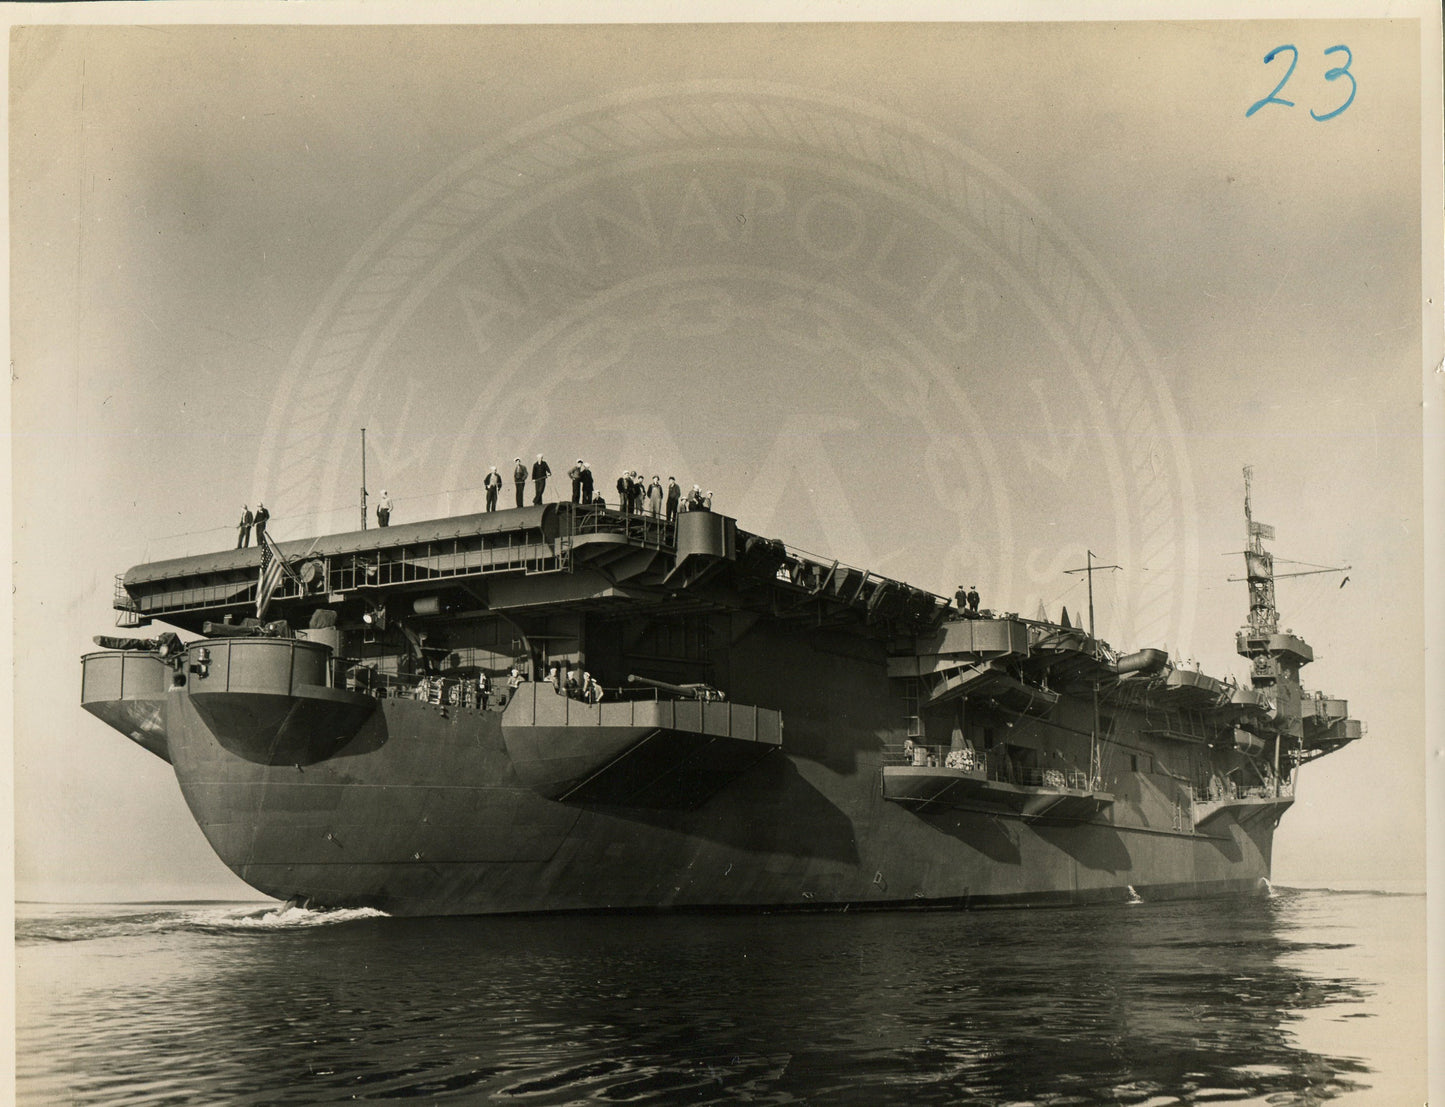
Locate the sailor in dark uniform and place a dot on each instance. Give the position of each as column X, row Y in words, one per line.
column 540, row 472
column 960, row 599
column 576, row 474
column 674, row 496
column 493, row 485
column 973, row 599
column 243, row 528
column 261, row 516
column 519, row 476
column 586, row 483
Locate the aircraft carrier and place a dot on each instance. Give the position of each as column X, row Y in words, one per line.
column 570, row 707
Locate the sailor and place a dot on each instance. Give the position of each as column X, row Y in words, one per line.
column 973, row 599
column 554, row 676
column 540, row 472
column 586, row 483
column 624, row 491
column 654, row 497
column 383, row 510
column 694, row 498
column 591, row 690
column 514, row 680
column 493, row 485
column 960, row 599
column 674, row 494
column 707, row 501
column 260, row 520
column 243, row 528
column 519, row 476
column 574, row 683
column 576, row 474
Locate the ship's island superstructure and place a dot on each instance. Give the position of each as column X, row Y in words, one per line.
column 775, row 731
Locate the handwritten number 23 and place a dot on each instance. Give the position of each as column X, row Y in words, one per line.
column 1330, row 75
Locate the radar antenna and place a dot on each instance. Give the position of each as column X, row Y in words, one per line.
column 1275, row 659
column 1259, row 567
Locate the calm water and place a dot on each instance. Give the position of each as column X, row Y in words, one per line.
column 1296, row 999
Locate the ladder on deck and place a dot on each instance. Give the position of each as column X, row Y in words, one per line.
column 557, row 560
column 128, row 614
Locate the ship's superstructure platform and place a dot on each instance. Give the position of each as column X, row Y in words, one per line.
column 560, row 553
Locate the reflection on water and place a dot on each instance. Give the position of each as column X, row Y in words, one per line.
column 1147, row 1004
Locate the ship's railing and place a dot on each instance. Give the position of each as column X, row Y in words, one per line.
column 470, row 690
column 995, row 767
column 503, row 552
column 1233, row 790
column 425, row 560
column 432, row 560
column 640, row 528
column 630, row 693
column 539, row 704
column 912, row 753
column 127, row 613
column 1052, row 778
column 442, row 690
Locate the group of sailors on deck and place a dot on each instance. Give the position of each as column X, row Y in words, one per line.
column 573, row 683
column 449, row 690
column 475, row 691
column 966, row 600
column 484, row 689
column 249, row 520
column 635, row 496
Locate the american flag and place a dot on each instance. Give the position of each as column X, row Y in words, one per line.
column 273, row 565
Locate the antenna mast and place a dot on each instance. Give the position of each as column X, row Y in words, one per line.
column 363, row 478
column 1089, row 568
column 1258, row 566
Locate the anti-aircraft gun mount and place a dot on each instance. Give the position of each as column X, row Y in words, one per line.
column 705, row 692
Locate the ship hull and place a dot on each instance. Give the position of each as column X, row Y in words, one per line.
column 774, row 731
column 423, row 812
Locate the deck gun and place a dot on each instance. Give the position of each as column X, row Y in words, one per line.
column 686, row 691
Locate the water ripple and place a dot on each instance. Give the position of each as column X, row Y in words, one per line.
column 1145, row 1005
column 58, row 925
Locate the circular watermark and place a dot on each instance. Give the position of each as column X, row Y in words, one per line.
column 869, row 340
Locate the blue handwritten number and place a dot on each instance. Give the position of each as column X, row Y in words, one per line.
column 1335, row 75
column 1272, row 98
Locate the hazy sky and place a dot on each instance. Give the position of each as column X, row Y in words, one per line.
column 956, row 303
